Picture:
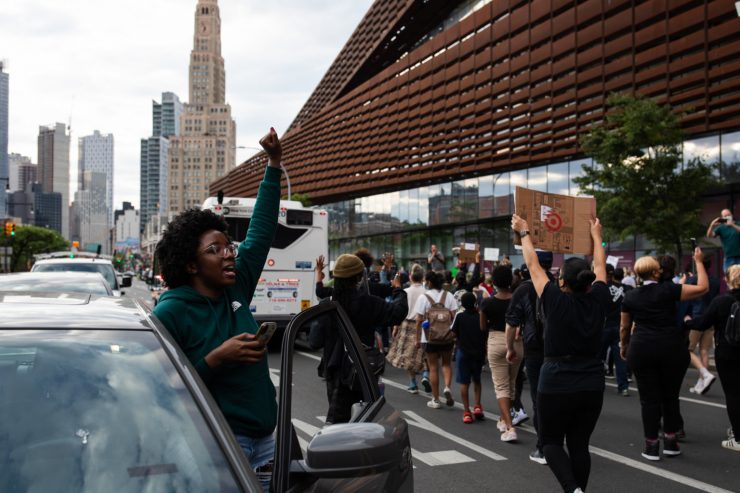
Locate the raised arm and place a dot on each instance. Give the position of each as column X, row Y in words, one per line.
column 710, row 229
column 599, row 254
column 691, row 292
column 537, row 273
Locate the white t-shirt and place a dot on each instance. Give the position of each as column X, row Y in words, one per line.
column 413, row 293
column 422, row 304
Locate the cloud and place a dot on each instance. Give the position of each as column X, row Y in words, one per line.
column 102, row 62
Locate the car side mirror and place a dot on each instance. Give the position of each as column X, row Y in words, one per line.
column 350, row 450
column 126, row 282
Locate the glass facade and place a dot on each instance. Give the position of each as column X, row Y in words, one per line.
column 477, row 210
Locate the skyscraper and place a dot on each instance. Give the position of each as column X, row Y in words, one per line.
column 91, row 210
column 153, row 157
column 53, row 167
column 205, row 149
column 20, row 171
column 96, row 154
column 4, row 90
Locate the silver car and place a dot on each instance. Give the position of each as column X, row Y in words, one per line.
column 57, row 282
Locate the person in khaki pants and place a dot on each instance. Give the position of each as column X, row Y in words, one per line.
column 493, row 319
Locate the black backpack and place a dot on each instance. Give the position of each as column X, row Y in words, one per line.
column 732, row 327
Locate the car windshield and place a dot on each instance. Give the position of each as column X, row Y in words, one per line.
column 105, row 269
column 100, row 411
column 56, row 285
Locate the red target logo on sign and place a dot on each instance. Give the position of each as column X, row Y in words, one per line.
column 553, row 221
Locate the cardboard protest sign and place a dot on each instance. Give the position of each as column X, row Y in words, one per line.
column 468, row 251
column 557, row 223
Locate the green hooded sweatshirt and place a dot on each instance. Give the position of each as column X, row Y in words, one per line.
column 244, row 393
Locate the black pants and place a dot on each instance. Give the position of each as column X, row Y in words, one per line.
column 728, row 367
column 341, row 398
column 659, row 368
column 516, row 402
column 571, row 417
column 533, row 364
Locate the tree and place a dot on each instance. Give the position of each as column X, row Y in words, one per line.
column 303, row 198
column 639, row 183
column 32, row 240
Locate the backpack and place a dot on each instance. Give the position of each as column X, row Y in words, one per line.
column 440, row 320
column 732, row 327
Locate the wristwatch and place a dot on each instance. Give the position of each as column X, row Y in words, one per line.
column 523, row 233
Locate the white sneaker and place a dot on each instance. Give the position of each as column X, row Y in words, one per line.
column 707, row 381
column 509, row 435
column 434, row 404
column 448, row 397
column 731, row 444
column 519, row 416
column 501, row 425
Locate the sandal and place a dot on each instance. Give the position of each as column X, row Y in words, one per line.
column 478, row 413
column 467, row 417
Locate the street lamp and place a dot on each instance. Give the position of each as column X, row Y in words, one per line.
column 285, row 172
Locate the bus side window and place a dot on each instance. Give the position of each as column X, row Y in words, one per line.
column 299, row 218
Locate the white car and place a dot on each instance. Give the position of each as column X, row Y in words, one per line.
column 77, row 263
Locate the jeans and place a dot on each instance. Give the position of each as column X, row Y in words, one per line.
column 533, row 365
column 729, row 262
column 610, row 341
column 260, row 453
column 571, row 418
column 659, row 368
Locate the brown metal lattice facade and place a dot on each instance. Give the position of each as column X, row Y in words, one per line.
column 512, row 85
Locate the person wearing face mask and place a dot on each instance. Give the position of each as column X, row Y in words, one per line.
column 728, row 230
column 365, row 311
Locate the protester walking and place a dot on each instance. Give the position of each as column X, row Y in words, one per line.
column 610, row 341
column 723, row 313
column 571, row 386
column 470, row 357
column 503, row 373
column 655, row 348
column 436, row 309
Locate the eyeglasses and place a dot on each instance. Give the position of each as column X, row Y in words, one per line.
column 220, row 250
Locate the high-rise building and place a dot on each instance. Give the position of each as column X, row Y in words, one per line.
column 47, row 208
column 4, row 102
column 96, row 154
column 21, row 171
column 53, row 167
column 91, row 211
column 153, row 157
column 127, row 228
column 205, row 149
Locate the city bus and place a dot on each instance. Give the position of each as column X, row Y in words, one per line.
column 287, row 284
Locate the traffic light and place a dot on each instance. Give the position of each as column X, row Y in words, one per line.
column 12, row 231
column 8, row 228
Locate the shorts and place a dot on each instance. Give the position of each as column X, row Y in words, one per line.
column 468, row 367
column 438, row 348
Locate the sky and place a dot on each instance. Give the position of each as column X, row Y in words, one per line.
column 99, row 64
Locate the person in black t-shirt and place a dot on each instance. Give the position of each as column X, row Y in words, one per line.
column 655, row 347
column 610, row 341
column 471, row 344
column 571, row 386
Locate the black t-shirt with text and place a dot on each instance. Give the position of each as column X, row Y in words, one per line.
column 573, row 333
column 653, row 308
column 495, row 310
column 617, row 293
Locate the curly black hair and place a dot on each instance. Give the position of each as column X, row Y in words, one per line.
column 179, row 244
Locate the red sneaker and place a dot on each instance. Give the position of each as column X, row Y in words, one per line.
column 478, row 413
column 467, row 417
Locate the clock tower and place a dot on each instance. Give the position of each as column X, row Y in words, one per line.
column 206, row 147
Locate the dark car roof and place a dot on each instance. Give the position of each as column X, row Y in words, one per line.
column 35, row 310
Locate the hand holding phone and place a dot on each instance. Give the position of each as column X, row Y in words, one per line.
column 265, row 332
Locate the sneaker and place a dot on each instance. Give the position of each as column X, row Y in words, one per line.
column 652, row 450
column 412, row 389
column 731, row 444
column 434, row 404
column 518, row 417
column 509, row 435
column 707, row 381
column 478, row 413
column 680, row 435
column 501, row 425
column 425, row 382
column 670, row 445
column 624, row 392
column 467, row 417
column 448, row 397
column 538, row 456
column 578, row 490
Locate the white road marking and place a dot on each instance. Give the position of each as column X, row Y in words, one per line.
column 686, row 399
column 306, row 428
column 442, row 458
column 656, row 471
column 275, row 377
column 426, row 425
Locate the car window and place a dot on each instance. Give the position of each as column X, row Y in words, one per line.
column 88, row 286
column 105, row 269
column 100, row 411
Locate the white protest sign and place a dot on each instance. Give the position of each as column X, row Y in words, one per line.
column 491, row 254
column 612, row 260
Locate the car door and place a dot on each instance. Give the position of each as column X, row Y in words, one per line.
column 370, row 453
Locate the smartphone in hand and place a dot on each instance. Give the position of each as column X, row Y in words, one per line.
column 265, row 332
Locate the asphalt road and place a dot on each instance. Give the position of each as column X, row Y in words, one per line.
column 452, row 456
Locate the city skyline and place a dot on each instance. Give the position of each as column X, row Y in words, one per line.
column 109, row 62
